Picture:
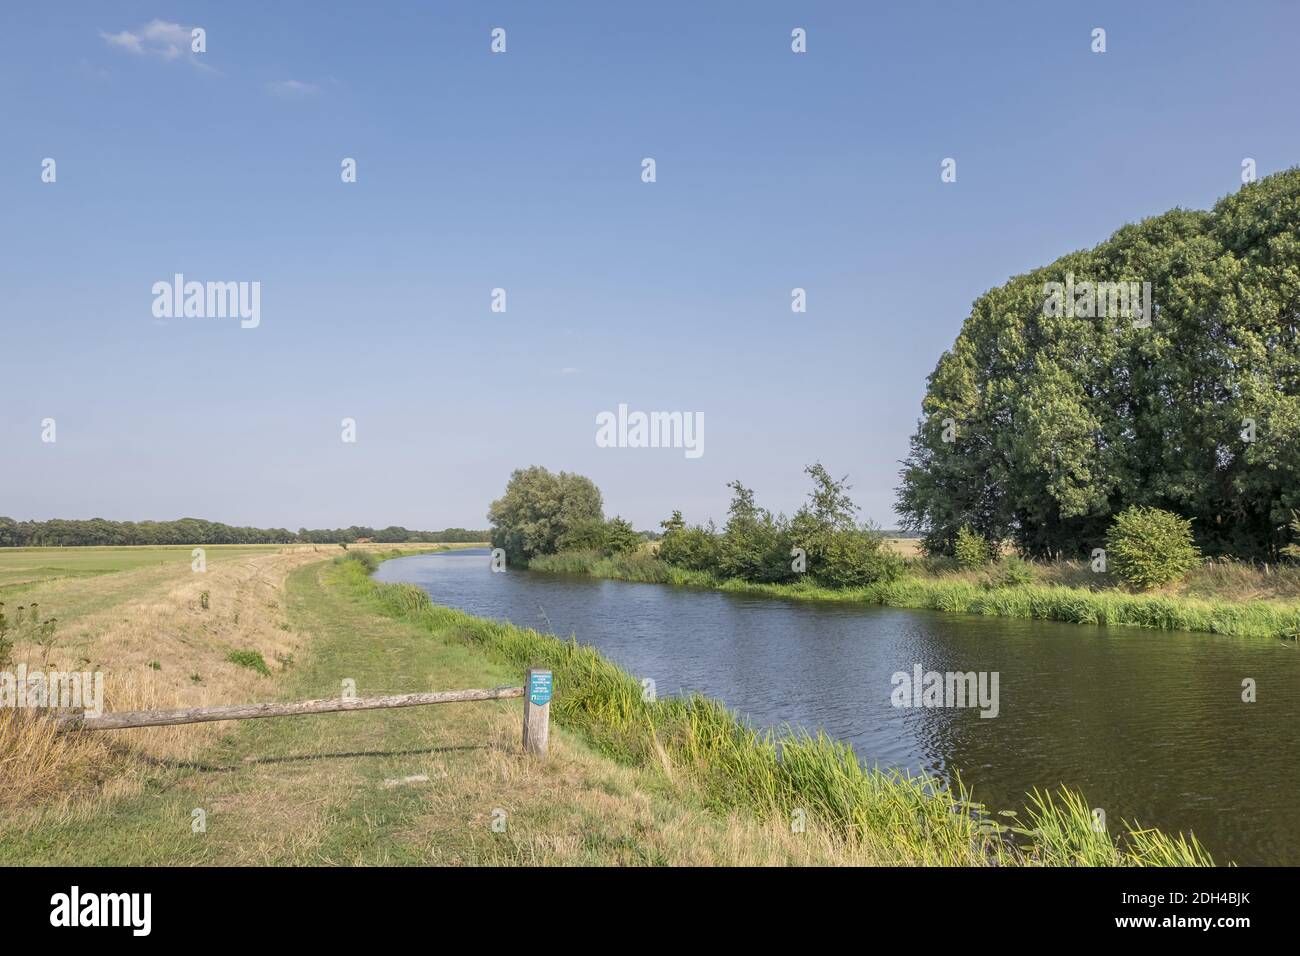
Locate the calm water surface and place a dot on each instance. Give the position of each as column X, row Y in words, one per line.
column 1149, row 725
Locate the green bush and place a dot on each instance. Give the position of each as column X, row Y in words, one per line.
column 614, row 536
column 1150, row 547
column 971, row 550
column 620, row 537
column 1012, row 572
column 250, row 659
column 363, row 558
column 755, row 545
column 851, row 559
column 692, row 547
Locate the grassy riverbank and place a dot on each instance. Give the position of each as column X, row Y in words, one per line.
column 628, row 781
column 974, row 594
column 413, row 786
column 162, row 635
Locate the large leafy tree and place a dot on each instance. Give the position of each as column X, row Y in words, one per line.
column 539, row 509
column 1056, row 422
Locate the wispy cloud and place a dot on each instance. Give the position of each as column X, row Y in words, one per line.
column 167, row 41
column 292, row 89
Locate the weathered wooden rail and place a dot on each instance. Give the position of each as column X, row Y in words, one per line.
column 536, row 694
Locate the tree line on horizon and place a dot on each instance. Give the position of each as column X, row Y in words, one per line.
column 76, row 532
column 1046, row 419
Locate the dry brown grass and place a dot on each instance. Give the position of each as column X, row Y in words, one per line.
column 1221, row 579
column 147, row 616
column 1232, row 580
column 905, row 547
column 38, row 765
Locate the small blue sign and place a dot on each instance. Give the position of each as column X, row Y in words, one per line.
column 539, row 687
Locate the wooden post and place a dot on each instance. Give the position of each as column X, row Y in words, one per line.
column 537, row 711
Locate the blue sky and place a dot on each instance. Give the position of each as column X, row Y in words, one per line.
column 522, row 171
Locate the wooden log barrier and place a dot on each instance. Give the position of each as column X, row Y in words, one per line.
column 126, row 719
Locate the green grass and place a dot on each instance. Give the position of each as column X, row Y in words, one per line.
column 72, row 583
column 904, row 818
column 250, row 659
column 388, row 787
column 299, row 790
column 364, row 558
column 1045, row 602
column 623, row 567
column 1066, row 604
column 628, row 782
column 23, row 567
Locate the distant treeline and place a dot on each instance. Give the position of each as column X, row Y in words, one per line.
column 63, row 532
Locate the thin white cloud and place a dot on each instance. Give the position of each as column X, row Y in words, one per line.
column 126, row 40
column 292, row 89
column 167, row 41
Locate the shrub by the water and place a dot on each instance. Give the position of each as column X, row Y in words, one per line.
column 615, row 536
column 1012, row 572
column 971, row 550
column 620, row 537
column 755, row 544
column 1150, row 547
column 854, row 558
column 363, row 558
column 688, row 546
column 585, row 535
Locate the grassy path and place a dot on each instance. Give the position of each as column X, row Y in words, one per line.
column 411, row 786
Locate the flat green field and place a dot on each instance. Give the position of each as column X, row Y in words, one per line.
column 73, row 582
column 23, row 567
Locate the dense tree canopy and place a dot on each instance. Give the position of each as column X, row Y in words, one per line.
column 540, row 509
column 63, row 532
column 1041, row 423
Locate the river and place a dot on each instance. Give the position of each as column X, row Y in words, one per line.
column 1149, row 725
